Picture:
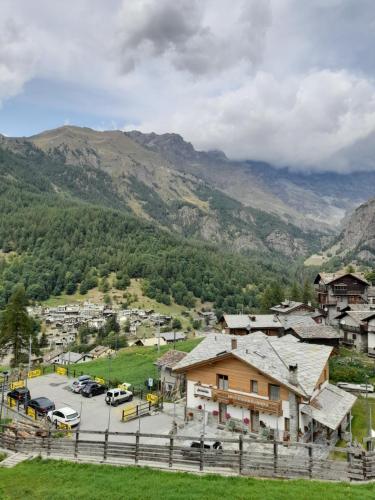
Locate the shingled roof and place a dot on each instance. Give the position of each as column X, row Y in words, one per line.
column 316, row 332
column 270, row 355
column 330, row 406
column 328, row 278
column 170, row 359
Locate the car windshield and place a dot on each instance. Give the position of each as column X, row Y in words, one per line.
column 71, row 416
column 109, row 394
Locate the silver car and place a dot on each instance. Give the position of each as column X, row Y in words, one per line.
column 80, row 383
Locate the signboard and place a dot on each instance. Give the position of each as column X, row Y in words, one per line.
column 17, row 384
column 152, row 398
column 34, row 373
column 200, row 390
column 61, row 371
column 61, row 425
column 12, row 402
column 31, row 412
column 150, row 382
column 99, row 380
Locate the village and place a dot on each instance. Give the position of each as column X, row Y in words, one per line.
column 259, row 374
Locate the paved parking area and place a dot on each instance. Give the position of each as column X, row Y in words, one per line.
column 95, row 413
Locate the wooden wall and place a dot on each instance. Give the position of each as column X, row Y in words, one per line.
column 239, row 376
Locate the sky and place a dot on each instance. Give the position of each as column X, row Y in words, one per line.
column 289, row 82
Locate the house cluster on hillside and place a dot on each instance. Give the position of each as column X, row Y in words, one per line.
column 347, row 301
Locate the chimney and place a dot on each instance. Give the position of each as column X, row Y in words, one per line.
column 233, row 344
column 276, row 318
column 293, row 374
column 253, row 318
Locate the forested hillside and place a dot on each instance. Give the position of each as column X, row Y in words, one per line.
column 63, row 227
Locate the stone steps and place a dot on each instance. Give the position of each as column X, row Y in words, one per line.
column 15, row 459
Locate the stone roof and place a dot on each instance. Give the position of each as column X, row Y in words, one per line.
column 170, row 359
column 357, row 316
column 288, row 306
column 316, row 332
column 330, row 406
column 100, row 349
column 264, row 321
column 270, row 355
column 237, row 320
column 170, row 336
column 294, row 320
column 327, row 278
column 371, row 291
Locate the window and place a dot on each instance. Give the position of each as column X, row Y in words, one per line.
column 254, row 386
column 287, row 424
column 354, row 336
column 222, row 382
column 274, row 392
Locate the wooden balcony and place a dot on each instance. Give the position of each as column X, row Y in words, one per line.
column 247, row 401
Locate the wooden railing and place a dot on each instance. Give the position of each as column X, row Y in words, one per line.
column 250, row 402
column 240, row 455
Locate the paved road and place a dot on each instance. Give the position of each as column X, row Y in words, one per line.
column 95, row 413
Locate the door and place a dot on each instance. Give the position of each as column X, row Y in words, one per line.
column 254, row 421
column 222, row 413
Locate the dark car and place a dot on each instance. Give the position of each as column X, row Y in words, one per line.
column 93, row 389
column 215, row 446
column 21, row 394
column 41, row 405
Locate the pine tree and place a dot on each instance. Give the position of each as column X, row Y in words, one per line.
column 307, row 292
column 16, row 327
column 295, row 292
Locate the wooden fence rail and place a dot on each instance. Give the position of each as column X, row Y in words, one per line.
column 239, row 456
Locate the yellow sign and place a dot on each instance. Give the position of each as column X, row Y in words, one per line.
column 34, row 373
column 124, row 386
column 152, row 398
column 17, row 384
column 128, row 412
column 61, row 425
column 12, row 402
column 99, row 380
column 61, row 371
column 31, row 412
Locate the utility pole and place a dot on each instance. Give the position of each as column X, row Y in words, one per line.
column 368, row 409
column 29, row 364
column 158, row 334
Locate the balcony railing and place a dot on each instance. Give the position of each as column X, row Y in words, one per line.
column 250, row 402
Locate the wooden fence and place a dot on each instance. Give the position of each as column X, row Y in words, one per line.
column 240, row 456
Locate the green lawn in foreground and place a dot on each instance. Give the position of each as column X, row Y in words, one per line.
column 359, row 422
column 133, row 364
column 54, row 480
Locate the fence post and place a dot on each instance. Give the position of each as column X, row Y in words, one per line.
column 49, row 443
column 15, row 439
column 240, row 453
column 105, row 444
column 364, row 471
column 311, row 461
column 275, row 456
column 171, row 442
column 76, row 445
column 201, row 455
column 136, row 447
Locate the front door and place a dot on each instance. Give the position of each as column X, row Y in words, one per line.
column 222, row 413
column 254, row 421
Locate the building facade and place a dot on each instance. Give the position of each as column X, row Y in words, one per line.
column 267, row 384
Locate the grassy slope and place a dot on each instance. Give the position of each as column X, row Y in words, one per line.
column 62, row 480
column 133, row 364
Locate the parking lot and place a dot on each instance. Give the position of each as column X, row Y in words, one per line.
column 96, row 415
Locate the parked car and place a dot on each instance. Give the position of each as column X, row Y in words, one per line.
column 80, row 383
column 355, row 387
column 65, row 415
column 93, row 389
column 115, row 397
column 41, row 405
column 21, row 394
column 217, row 445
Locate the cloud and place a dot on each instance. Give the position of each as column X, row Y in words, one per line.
column 283, row 81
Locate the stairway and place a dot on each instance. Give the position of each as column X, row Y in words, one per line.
column 15, row 459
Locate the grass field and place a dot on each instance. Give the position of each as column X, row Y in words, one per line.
column 360, row 416
column 62, row 480
column 132, row 364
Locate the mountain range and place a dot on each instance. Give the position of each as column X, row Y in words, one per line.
column 243, row 206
